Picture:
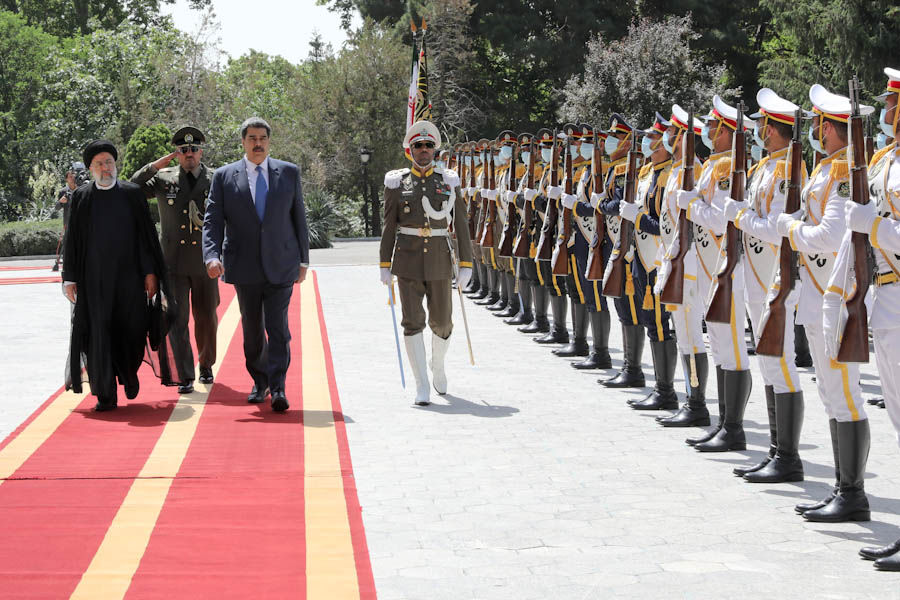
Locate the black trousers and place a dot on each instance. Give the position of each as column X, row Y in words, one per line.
column 267, row 339
column 202, row 295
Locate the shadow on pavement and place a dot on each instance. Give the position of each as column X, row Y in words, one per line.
column 460, row 406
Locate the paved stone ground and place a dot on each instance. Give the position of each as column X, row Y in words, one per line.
column 528, row 480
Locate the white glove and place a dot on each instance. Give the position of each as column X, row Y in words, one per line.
column 834, row 315
column 530, row 194
column 596, row 199
column 569, row 200
column 684, row 198
column 628, row 210
column 385, row 275
column 860, row 217
column 785, row 221
column 462, row 280
column 489, row 194
column 732, row 208
column 554, row 192
column 510, row 197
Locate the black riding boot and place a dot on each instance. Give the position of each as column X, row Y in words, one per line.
column 578, row 346
column 501, row 288
column 525, row 315
column 512, row 298
column 851, row 502
column 802, row 358
column 663, row 396
column 540, row 324
column 835, row 451
column 731, row 437
column 786, row 465
column 492, row 288
column 599, row 356
column 475, row 281
column 720, row 390
column 694, row 412
column 631, row 375
column 558, row 333
column 773, row 436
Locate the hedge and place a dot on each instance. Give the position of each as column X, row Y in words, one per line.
column 30, row 239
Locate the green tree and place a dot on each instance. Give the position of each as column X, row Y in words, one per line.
column 148, row 143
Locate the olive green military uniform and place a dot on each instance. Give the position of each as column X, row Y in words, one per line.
column 414, row 246
column 181, row 210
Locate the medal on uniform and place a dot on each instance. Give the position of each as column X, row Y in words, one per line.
column 406, row 208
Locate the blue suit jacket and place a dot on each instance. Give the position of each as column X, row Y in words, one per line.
column 252, row 251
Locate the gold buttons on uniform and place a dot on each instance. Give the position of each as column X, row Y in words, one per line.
column 183, row 226
column 194, row 243
column 184, row 211
column 425, row 250
column 182, row 241
column 171, row 202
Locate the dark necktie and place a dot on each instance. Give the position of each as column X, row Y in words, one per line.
column 191, row 179
column 261, row 191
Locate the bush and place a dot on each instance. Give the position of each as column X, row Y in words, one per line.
column 43, row 182
column 30, row 239
column 321, row 218
column 146, row 145
column 348, row 212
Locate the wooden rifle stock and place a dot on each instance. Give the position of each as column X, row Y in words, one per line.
column 487, row 232
column 560, row 260
column 614, row 277
column 505, row 247
column 854, row 342
column 673, row 290
column 771, row 335
column 523, row 239
column 594, row 269
column 545, row 243
column 720, row 306
column 472, row 212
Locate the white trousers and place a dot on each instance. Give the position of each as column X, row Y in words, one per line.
column 778, row 371
column 837, row 383
column 687, row 319
column 887, row 358
column 727, row 342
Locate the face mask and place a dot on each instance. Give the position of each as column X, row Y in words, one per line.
column 611, row 144
column 881, row 140
column 756, row 137
column 573, row 150
column 587, row 151
column 477, row 160
column 440, row 165
column 756, row 152
column 704, row 135
column 525, row 155
column 467, row 160
column 667, row 143
column 645, row 146
column 885, row 126
column 546, row 154
column 505, row 153
column 816, row 146
column 500, row 159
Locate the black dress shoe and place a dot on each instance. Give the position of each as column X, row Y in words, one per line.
column 104, row 405
column 132, row 387
column 206, row 375
column 257, row 395
column 279, row 402
column 876, row 552
column 889, row 563
column 187, row 388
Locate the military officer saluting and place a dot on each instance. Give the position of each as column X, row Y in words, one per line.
column 181, row 193
column 420, row 203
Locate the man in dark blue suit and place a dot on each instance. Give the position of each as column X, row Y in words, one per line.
column 255, row 236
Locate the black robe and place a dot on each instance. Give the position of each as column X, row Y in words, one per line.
column 111, row 244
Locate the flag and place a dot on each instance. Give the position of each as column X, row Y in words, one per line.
column 413, row 85
column 423, row 104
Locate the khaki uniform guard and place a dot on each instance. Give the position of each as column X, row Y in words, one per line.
column 420, row 203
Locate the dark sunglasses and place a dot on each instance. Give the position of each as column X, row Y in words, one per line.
column 186, row 149
column 423, row 145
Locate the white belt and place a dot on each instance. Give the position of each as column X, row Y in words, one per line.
column 422, row 231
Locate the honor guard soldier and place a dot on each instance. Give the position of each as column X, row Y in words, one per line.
column 507, row 172
column 758, row 219
column 816, row 235
column 468, row 188
column 181, row 194
column 488, row 293
column 880, row 220
column 420, row 203
column 494, row 222
column 644, row 213
column 533, row 315
column 687, row 316
column 586, row 293
column 704, row 206
column 617, row 144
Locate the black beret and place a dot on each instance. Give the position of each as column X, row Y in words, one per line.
column 188, row 135
column 95, row 148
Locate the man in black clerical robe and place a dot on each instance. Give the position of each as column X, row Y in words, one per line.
column 112, row 270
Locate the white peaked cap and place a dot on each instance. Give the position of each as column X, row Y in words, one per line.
column 834, row 106
column 729, row 114
column 680, row 118
column 775, row 107
column 422, row 130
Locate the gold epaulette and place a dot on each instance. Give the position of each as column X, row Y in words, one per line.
column 645, row 170
column 876, row 158
column 840, row 169
column 722, row 168
column 620, row 169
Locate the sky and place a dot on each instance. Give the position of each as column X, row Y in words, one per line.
column 278, row 27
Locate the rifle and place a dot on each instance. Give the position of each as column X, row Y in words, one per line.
column 854, row 340
column 719, row 310
column 545, row 243
column 487, row 232
column 594, row 269
column 472, row 212
column 509, row 232
column 771, row 336
column 673, row 289
column 560, row 260
column 614, row 277
column 870, row 142
column 523, row 239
